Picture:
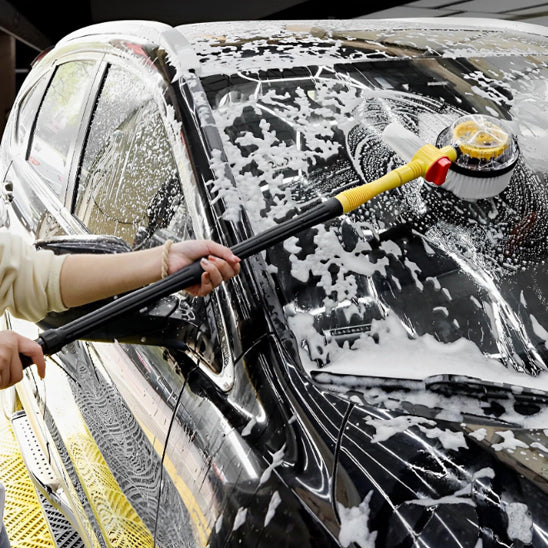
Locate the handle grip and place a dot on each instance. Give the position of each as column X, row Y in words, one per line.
column 26, row 361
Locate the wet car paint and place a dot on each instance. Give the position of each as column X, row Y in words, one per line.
column 271, row 453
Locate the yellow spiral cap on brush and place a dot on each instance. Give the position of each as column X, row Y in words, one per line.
column 480, row 138
column 487, row 153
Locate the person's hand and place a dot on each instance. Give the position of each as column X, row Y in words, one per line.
column 218, row 262
column 11, row 369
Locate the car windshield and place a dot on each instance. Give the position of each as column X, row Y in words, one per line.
column 417, row 281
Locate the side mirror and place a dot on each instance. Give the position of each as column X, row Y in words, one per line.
column 88, row 243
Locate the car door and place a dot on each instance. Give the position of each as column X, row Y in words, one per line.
column 104, row 408
column 37, row 157
column 129, row 185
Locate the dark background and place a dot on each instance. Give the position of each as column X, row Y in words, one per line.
column 36, row 25
column 27, row 27
column 42, row 23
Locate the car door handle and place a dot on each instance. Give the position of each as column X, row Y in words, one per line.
column 8, row 190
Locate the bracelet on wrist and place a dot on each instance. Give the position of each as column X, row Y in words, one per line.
column 165, row 257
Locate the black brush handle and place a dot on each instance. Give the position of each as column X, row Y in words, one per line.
column 52, row 340
column 25, row 360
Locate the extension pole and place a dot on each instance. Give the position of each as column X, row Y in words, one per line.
column 428, row 162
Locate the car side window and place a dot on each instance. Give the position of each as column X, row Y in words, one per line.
column 128, row 182
column 128, row 185
column 59, row 120
column 28, row 109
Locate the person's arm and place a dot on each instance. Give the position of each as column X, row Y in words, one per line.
column 87, row 278
column 80, row 279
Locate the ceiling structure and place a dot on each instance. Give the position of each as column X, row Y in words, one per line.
column 56, row 18
column 38, row 25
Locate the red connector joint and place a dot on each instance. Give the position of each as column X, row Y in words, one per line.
column 437, row 171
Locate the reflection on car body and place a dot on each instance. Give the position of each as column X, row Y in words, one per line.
column 379, row 379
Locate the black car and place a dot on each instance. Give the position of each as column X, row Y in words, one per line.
column 376, row 379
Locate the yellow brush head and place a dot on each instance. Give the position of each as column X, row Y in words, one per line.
column 480, row 139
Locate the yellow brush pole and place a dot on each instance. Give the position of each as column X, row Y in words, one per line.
column 423, row 160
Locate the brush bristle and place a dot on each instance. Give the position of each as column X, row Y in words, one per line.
column 471, row 188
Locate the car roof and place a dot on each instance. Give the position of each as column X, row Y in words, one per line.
column 234, row 46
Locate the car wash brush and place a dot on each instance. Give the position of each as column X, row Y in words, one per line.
column 487, row 153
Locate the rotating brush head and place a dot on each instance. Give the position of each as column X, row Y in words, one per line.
column 487, row 153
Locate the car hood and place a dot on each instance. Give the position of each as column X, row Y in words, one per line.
column 403, row 476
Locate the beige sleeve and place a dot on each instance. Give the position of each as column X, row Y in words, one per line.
column 29, row 279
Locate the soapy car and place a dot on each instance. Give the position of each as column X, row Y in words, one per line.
column 378, row 378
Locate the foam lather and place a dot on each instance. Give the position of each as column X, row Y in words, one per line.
column 428, row 161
